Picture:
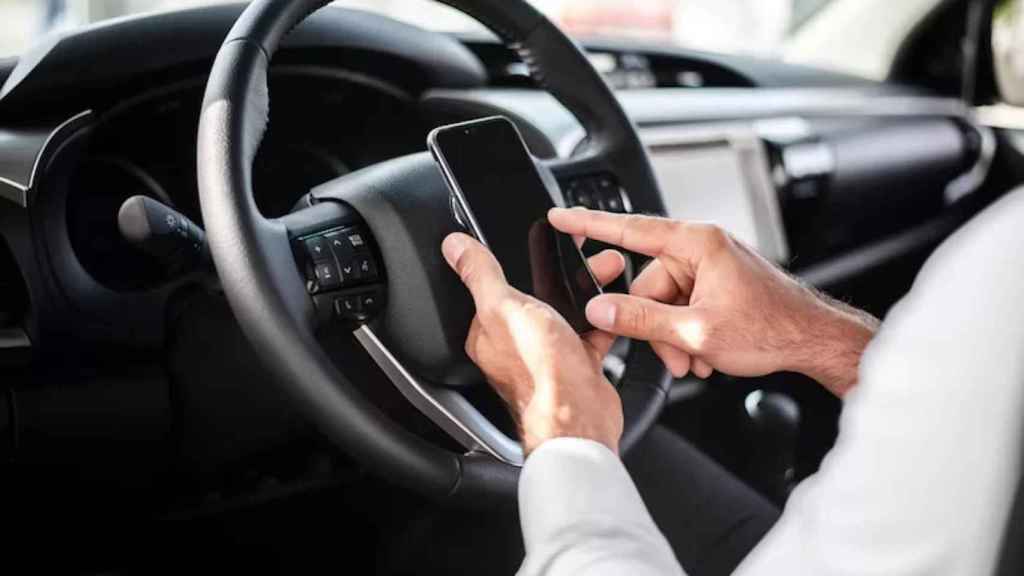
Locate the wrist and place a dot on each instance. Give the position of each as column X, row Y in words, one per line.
column 583, row 409
column 835, row 336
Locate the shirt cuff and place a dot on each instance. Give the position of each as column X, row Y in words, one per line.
column 570, row 480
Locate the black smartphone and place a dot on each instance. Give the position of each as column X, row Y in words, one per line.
column 500, row 197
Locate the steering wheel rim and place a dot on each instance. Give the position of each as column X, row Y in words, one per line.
column 260, row 278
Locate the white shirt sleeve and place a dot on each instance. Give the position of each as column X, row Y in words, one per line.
column 921, row 479
column 581, row 514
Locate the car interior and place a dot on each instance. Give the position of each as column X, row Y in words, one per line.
column 299, row 400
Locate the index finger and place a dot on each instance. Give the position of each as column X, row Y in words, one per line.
column 641, row 234
column 475, row 265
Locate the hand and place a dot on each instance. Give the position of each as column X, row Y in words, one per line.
column 549, row 376
column 708, row 298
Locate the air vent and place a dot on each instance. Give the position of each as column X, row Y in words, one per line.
column 13, row 294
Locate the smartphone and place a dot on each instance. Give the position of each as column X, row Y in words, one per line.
column 500, row 198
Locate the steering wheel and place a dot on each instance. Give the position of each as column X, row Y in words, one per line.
column 362, row 253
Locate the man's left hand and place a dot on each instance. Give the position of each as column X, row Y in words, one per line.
column 549, row 376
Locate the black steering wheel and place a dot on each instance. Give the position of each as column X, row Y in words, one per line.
column 380, row 229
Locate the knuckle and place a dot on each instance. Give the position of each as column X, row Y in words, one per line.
column 632, row 224
column 472, row 265
column 699, row 334
column 662, row 225
column 712, row 237
column 536, row 309
column 675, row 228
column 716, row 236
column 538, row 313
column 464, row 266
column 489, row 312
column 495, row 307
column 636, row 318
column 473, row 339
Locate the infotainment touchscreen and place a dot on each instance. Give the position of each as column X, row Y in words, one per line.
column 708, row 181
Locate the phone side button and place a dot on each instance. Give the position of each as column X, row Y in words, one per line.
column 457, row 214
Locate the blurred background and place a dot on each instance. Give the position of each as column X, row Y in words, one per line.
column 855, row 36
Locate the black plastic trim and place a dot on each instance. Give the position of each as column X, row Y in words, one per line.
column 90, row 60
column 24, row 152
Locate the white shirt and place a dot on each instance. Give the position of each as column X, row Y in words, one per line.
column 922, row 476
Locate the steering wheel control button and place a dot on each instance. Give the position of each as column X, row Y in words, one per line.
column 351, row 248
column 348, row 270
column 348, row 307
column 365, row 268
column 346, row 242
column 609, row 194
column 337, row 243
column 358, row 306
column 343, row 274
column 327, row 275
column 612, row 203
column 581, row 193
column 356, row 239
column 597, row 192
column 317, row 249
column 369, row 303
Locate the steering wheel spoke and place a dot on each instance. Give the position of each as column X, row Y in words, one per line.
column 446, row 408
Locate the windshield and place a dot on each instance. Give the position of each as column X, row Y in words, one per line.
column 825, row 33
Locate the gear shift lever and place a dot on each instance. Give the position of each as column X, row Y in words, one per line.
column 772, row 424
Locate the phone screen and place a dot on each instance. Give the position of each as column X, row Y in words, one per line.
column 493, row 178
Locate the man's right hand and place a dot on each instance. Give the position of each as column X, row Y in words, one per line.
column 708, row 302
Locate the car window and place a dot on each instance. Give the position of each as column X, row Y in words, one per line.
column 786, row 29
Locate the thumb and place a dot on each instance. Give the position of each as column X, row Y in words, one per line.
column 474, row 264
column 683, row 327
